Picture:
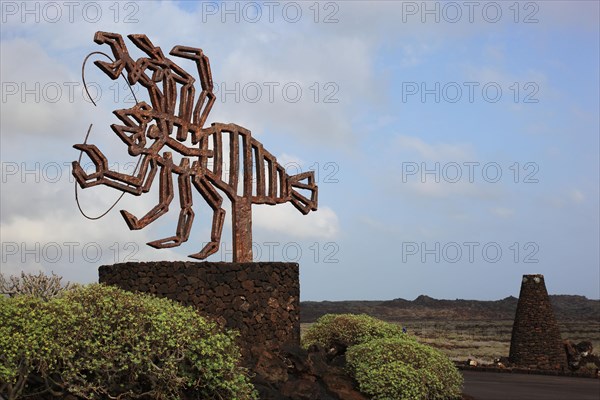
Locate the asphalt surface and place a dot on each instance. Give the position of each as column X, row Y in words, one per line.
column 501, row 386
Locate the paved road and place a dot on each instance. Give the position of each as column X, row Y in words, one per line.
column 501, row 386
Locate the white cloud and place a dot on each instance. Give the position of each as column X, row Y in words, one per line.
column 343, row 71
column 285, row 219
column 503, row 212
column 577, row 196
column 437, row 170
column 429, row 188
column 296, row 93
column 286, row 159
column 414, row 54
column 432, row 152
column 485, row 74
column 380, row 226
column 566, row 198
column 40, row 94
column 520, row 86
column 67, row 244
column 495, row 53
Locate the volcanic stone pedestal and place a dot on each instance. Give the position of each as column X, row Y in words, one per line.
column 536, row 341
column 260, row 300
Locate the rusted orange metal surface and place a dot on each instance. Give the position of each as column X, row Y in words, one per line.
column 223, row 157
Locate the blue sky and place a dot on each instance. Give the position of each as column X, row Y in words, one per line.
column 499, row 102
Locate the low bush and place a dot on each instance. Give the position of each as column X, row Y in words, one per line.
column 28, row 351
column 40, row 285
column 101, row 342
column 348, row 330
column 398, row 369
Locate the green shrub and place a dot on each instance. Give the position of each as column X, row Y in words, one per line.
column 27, row 343
column 348, row 330
column 99, row 341
column 391, row 381
column 397, row 369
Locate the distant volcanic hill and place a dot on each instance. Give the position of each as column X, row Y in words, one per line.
column 566, row 307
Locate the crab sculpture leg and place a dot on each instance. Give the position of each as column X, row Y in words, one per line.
column 120, row 53
column 134, row 184
column 207, row 97
column 135, row 69
column 186, row 214
column 215, row 201
column 160, row 70
column 165, row 197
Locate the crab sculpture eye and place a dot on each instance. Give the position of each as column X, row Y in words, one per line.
column 537, row 279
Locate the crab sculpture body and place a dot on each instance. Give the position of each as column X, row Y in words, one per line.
column 222, row 158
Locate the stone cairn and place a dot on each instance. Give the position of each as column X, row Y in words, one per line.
column 536, row 342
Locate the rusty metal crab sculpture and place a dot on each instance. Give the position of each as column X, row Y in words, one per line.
column 153, row 131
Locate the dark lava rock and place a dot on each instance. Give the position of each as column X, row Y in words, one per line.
column 296, row 374
column 580, row 354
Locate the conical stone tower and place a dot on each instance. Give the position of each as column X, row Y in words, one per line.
column 536, row 342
